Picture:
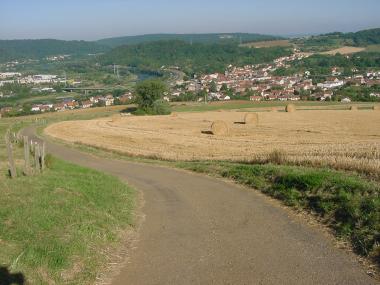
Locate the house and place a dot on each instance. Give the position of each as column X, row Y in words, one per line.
column 108, row 100
column 346, row 100
column 336, row 83
column 71, row 105
column 36, row 108
column 87, row 104
column 59, row 107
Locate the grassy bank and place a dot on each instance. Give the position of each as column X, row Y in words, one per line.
column 346, row 202
column 57, row 227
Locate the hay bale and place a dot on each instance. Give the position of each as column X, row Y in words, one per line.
column 290, row 108
column 251, row 119
column 354, row 108
column 376, row 108
column 220, row 128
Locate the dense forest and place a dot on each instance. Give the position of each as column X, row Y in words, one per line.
column 37, row 49
column 194, row 38
column 191, row 58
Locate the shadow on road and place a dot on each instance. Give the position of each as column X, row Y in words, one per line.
column 7, row 278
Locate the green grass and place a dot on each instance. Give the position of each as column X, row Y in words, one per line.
column 62, row 222
column 57, row 227
column 346, row 202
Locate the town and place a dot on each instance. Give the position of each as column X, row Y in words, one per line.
column 251, row 82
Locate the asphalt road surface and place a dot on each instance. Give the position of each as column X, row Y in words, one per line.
column 201, row 230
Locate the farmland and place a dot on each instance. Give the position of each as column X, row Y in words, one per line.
column 267, row 44
column 341, row 139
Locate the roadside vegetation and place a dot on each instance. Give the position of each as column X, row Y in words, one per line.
column 62, row 226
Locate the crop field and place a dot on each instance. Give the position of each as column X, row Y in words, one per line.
column 344, row 50
column 266, row 44
column 341, row 139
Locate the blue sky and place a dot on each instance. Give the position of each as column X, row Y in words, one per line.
column 95, row 19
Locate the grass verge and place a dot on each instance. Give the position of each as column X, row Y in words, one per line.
column 58, row 227
column 347, row 203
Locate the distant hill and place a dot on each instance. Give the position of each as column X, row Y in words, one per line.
column 191, row 58
column 335, row 40
column 36, row 49
column 194, row 38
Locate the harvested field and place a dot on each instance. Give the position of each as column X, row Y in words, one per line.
column 266, row 44
column 338, row 138
column 344, row 50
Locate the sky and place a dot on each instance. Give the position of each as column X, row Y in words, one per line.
column 97, row 19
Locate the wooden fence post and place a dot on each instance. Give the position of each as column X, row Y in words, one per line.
column 26, row 156
column 37, row 157
column 43, row 150
column 12, row 167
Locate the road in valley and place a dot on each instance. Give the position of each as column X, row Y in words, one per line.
column 202, row 230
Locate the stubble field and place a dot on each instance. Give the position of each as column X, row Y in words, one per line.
column 340, row 139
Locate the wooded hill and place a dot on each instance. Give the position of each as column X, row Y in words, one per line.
column 191, row 58
column 189, row 38
column 37, row 49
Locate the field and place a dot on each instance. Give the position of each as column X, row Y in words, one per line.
column 266, row 44
column 344, row 50
column 341, row 139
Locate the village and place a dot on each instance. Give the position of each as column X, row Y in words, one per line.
column 264, row 86
column 255, row 82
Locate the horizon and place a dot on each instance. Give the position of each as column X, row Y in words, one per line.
column 116, row 18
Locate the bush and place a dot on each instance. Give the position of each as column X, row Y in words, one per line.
column 161, row 107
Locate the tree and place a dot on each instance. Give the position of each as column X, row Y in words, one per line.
column 148, row 93
column 213, row 87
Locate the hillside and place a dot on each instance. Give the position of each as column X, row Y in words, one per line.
column 36, row 49
column 192, row 58
column 335, row 40
column 195, row 38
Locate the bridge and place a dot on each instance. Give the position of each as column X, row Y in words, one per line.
column 85, row 90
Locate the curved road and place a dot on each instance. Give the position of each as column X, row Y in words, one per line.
column 201, row 230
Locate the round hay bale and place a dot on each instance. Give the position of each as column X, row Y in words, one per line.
column 220, row 128
column 354, row 108
column 290, row 108
column 376, row 108
column 251, row 119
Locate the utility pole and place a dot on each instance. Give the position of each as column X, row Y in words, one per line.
column 117, row 71
column 65, row 77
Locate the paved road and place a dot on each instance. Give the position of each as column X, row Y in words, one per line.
column 201, row 230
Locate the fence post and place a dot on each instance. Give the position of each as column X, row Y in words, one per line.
column 12, row 167
column 43, row 150
column 37, row 157
column 26, row 156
